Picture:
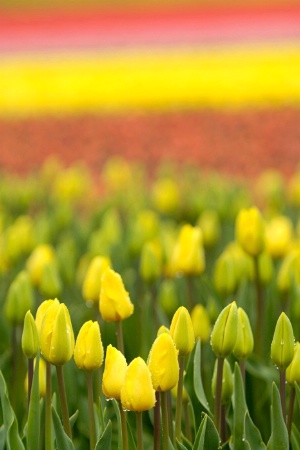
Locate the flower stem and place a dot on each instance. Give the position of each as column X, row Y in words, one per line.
column 223, row 424
column 63, row 401
column 124, row 427
column 156, row 426
column 170, row 416
column 120, row 340
column 91, row 410
column 139, row 428
column 291, row 410
column 188, row 428
column 243, row 370
column 179, row 399
column 259, row 308
column 164, row 413
column 48, row 416
column 283, row 393
column 218, row 397
column 30, row 377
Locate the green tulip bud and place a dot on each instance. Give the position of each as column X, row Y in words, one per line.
column 20, row 298
column 30, row 338
column 182, row 331
column 225, row 276
column 201, row 323
column 50, row 283
column 293, row 370
column 151, row 261
column 227, row 382
column 224, row 333
column 167, row 296
column 282, row 346
column 244, row 341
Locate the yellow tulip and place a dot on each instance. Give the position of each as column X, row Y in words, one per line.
column 41, row 255
column 56, row 335
column 137, row 392
column 163, row 363
column 244, row 341
column 224, row 333
column 92, row 281
column 188, row 256
column 182, row 331
column 114, row 373
column 250, row 231
column 279, row 235
column 114, row 304
column 88, row 351
column 41, row 311
column 30, row 337
column 201, row 323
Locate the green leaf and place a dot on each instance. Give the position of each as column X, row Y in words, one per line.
column 198, row 385
column 62, row 439
column 2, row 437
column 297, row 390
column 34, row 414
column 117, row 412
column 279, row 439
column 104, row 442
column 180, row 445
column 239, row 411
column 295, row 438
column 13, row 440
column 207, row 437
column 252, row 434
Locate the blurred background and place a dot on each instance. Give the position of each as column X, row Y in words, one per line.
column 214, row 83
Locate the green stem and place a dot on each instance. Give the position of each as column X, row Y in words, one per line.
column 63, row 401
column 243, row 370
column 120, row 340
column 259, row 308
column 124, row 427
column 30, row 377
column 283, row 393
column 188, row 428
column 291, row 410
column 179, row 399
column 218, row 397
column 156, row 425
column 190, row 289
column 48, row 415
column 170, row 416
column 165, row 426
column 139, row 428
column 223, row 424
column 91, row 410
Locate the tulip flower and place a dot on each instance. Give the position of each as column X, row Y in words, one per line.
column 279, row 236
column 88, row 351
column 20, row 298
column 209, row 223
column 30, row 337
column 292, row 377
column 188, row 256
column 92, row 282
column 114, row 304
column 201, row 323
column 114, row 373
column 41, row 255
column 244, row 340
column 250, row 231
column 166, row 196
column 163, row 363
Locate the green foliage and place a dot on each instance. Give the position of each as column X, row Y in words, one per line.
column 279, row 439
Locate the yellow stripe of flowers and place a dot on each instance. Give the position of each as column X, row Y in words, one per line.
column 150, row 79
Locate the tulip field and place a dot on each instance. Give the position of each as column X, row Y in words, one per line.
column 149, row 312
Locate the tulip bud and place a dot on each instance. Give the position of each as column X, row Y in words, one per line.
column 225, row 276
column 56, row 335
column 50, row 282
column 168, row 296
column 42, row 378
column 293, row 370
column 166, row 196
column 244, row 340
column 40, row 256
column 188, row 256
column 282, row 346
column 151, row 261
column 137, row 393
column 114, row 373
column 289, row 271
column 41, row 311
column 209, row 223
column 224, row 333
column 279, row 235
column 182, row 331
column 162, row 329
column 114, row 304
column 92, row 282
column 163, row 363
column 227, row 382
column 250, row 231
column 30, row 337
column 20, row 298
column 201, row 323
column 88, row 351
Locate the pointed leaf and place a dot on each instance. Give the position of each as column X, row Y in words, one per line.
column 34, row 413
column 252, row 434
column 104, row 442
column 2, row 437
column 239, row 411
column 297, row 389
column 295, row 438
column 117, row 412
column 279, row 439
column 62, row 439
column 207, row 437
column 171, row 446
column 73, row 418
column 13, row 440
column 180, row 445
column 198, row 385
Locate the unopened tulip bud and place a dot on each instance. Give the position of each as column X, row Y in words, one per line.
column 56, row 335
column 182, row 331
column 244, row 341
column 88, row 351
column 282, row 346
column 227, row 382
column 92, row 281
column 30, row 338
column 163, row 329
column 42, row 377
column 115, row 368
column 279, row 235
column 224, row 333
column 137, row 392
column 168, row 296
column 114, row 304
column 225, row 274
column 289, row 271
column 151, row 261
column 293, row 370
column 163, row 363
column 40, row 256
column 209, row 223
column 50, row 282
column 250, row 231
column 188, row 257
column 201, row 323
column 20, row 298
column 166, row 195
